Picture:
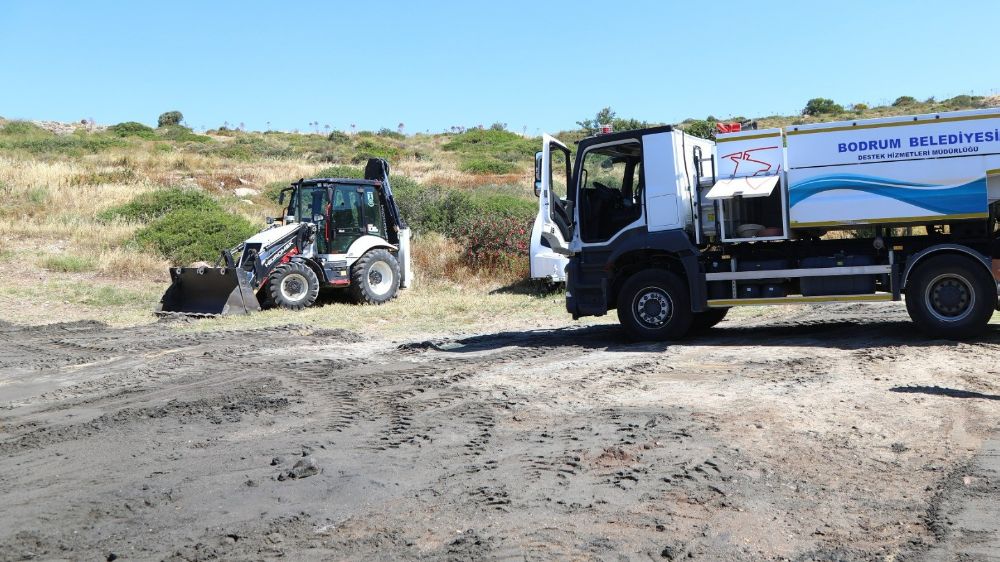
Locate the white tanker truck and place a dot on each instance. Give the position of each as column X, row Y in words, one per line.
column 673, row 230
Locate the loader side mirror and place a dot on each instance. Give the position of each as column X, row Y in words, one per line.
column 269, row 220
column 538, row 174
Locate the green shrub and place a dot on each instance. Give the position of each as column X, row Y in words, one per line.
column 965, row 102
column 902, row 101
column 822, row 106
column 170, row 118
column 22, row 128
column 67, row 263
column 66, row 145
column 702, row 128
column 132, row 129
column 497, row 245
column 191, row 235
column 860, row 107
column 181, row 133
column 389, row 133
column 502, row 145
column 252, row 147
column 371, row 148
column 436, row 209
column 155, row 204
column 338, row 137
column 483, row 166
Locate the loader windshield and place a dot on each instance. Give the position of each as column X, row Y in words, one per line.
column 343, row 213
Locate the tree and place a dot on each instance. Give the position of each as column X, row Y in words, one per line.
column 703, row 128
column 822, row 106
column 170, row 118
column 607, row 116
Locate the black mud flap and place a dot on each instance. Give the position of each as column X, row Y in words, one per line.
column 208, row 291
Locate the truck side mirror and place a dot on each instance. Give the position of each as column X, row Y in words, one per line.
column 538, row 174
column 269, row 220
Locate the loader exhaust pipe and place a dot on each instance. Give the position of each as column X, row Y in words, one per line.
column 208, row 291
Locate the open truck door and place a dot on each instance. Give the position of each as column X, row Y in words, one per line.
column 553, row 171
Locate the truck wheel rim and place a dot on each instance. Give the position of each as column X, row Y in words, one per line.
column 652, row 307
column 950, row 297
column 380, row 278
column 294, row 287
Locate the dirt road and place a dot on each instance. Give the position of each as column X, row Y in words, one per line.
column 827, row 433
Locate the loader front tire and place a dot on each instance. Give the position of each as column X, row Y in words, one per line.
column 293, row 285
column 374, row 278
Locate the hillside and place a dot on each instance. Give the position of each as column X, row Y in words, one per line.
column 92, row 214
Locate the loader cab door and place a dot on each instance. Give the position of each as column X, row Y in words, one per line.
column 553, row 171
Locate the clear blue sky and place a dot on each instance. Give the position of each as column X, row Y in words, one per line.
column 536, row 64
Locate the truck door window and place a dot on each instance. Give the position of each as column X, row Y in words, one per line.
column 610, row 190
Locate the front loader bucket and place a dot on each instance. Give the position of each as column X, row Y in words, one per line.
column 208, row 291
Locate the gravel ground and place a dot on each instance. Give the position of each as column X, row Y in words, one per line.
column 825, row 433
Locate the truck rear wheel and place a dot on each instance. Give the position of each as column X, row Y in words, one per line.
column 293, row 286
column 375, row 278
column 654, row 305
column 950, row 297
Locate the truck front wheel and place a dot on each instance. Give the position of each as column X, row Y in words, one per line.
column 654, row 305
column 950, row 297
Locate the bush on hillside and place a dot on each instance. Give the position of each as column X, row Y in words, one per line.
column 502, row 145
column 435, row 209
column 190, row 235
column 860, row 107
column 170, row 118
column 252, row 147
column 180, row 133
column 822, row 106
column 701, row 128
column 76, row 144
column 155, row 204
column 372, row 148
column 132, row 129
column 902, row 101
column 496, row 245
column 964, row 102
column 485, row 166
column 389, row 133
column 23, row 128
column 338, row 137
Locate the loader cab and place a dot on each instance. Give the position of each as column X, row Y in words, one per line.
column 342, row 210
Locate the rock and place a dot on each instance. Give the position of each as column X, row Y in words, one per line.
column 251, row 483
column 304, row 468
column 276, row 461
column 245, row 192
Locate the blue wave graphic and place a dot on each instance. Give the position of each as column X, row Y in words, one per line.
column 944, row 199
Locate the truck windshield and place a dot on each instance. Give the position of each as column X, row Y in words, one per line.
column 610, row 190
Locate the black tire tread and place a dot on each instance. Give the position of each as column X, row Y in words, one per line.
column 274, row 285
column 983, row 285
column 359, row 290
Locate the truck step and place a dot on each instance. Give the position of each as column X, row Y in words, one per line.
column 799, row 299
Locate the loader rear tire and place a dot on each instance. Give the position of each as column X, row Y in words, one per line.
column 374, row 278
column 293, row 285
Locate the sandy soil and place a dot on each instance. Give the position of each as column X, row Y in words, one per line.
column 826, row 433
